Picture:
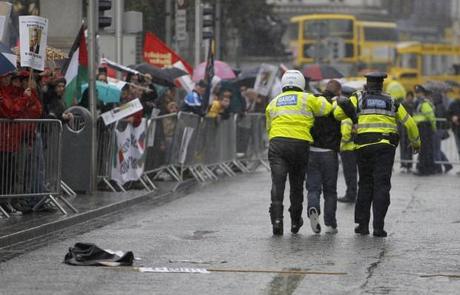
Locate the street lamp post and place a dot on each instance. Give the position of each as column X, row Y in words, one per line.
column 197, row 31
column 91, row 22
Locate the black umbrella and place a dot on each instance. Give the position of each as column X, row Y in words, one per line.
column 173, row 72
column 247, row 77
column 165, row 76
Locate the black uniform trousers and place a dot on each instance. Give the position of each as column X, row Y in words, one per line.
column 405, row 148
column 425, row 165
column 375, row 165
column 350, row 173
column 288, row 157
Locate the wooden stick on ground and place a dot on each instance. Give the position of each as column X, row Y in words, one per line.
column 294, row 272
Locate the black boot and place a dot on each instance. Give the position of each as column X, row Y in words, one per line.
column 362, row 229
column 276, row 215
column 380, row 232
column 296, row 220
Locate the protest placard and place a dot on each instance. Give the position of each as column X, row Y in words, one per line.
column 265, row 79
column 33, row 32
column 122, row 111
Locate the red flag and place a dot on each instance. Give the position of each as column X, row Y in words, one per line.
column 157, row 53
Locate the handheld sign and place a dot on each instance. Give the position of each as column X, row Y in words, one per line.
column 33, row 33
column 122, row 111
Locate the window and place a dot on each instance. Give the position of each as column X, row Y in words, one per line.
column 408, row 60
column 380, row 34
column 315, row 29
column 293, row 31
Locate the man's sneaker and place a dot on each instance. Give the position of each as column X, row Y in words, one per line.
column 278, row 227
column 346, row 199
column 330, row 230
column 314, row 220
column 295, row 226
column 379, row 233
column 362, row 229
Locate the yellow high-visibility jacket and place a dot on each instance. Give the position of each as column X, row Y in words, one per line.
column 396, row 90
column 347, row 143
column 291, row 114
column 382, row 122
column 424, row 112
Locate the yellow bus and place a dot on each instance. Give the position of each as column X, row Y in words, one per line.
column 417, row 63
column 377, row 44
column 343, row 40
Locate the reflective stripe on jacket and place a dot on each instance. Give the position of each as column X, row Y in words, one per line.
column 383, row 123
column 291, row 114
column 347, row 143
column 424, row 112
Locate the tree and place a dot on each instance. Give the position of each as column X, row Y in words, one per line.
column 154, row 16
column 259, row 31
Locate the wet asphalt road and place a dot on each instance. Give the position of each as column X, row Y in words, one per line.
column 228, row 221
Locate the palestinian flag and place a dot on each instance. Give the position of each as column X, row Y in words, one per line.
column 76, row 69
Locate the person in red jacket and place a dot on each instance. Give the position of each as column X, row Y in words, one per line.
column 15, row 103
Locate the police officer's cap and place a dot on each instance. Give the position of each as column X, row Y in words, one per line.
column 422, row 89
column 375, row 76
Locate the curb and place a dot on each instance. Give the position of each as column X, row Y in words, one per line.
column 57, row 225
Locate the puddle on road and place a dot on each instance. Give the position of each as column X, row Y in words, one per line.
column 198, row 235
column 285, row 284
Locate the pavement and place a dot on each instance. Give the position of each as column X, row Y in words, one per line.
column 225, row 225
column 22, row 228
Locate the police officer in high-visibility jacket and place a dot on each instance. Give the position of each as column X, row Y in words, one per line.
column 348, row 156
column 290, row 117
column 426, row 122
column 376, row 141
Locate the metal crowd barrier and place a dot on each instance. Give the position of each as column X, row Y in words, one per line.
column 448, row 147
column 106, row 150
column 252, row 141
column 30, row 164
column 184, row 142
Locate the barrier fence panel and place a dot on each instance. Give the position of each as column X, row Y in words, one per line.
column 182, row 142
column 106, row 150
column 251, row 139
column 30, row 164
column 160, row 137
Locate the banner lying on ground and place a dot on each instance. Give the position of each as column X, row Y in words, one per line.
column 157, row 53
column 128, row 164
column 33, row 32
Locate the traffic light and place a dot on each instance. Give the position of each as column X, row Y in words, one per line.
column 104, row 21
column 207, row 13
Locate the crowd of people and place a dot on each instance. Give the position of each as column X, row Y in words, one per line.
column 435, row 113
column 42, row 96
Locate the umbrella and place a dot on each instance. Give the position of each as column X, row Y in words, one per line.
column 7, row 60
column 107, row 93
column 247, row 77
column 317, row 72
column 437, row 86
column 221, row 70
column 173, row 72
column 165, row 76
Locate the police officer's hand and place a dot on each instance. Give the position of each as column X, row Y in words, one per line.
column 354, row 129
